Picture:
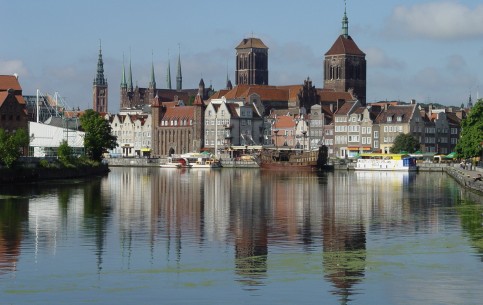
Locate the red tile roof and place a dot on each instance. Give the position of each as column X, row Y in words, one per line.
column 176, row 113
column 284, row 122
column 9, row 82
column 344, row 45
column 251, row 43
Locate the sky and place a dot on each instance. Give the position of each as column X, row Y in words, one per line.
column 430, row 51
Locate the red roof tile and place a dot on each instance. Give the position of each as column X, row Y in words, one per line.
column 344, row 45
column 9, row 82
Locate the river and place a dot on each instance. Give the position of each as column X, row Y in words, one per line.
column 242, row 236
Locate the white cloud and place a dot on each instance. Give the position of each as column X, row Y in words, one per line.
column 9, row 67
column 440, row 20
column 376, row 58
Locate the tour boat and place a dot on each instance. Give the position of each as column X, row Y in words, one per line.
column 386, row 162
column 201, row 160
column 176, row 162
column 292, row 159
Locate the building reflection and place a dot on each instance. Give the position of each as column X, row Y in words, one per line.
column 13, row 216
column 249, row 226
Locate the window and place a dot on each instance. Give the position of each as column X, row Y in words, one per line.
column 376, row 135
column 399, row 118
column 389, row 119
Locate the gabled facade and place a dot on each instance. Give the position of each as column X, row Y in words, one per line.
column 133, row 134
column 13, row 111
column 235, row 122
column 176, row 128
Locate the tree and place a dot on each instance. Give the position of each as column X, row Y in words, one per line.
column 469, row 144
column 405, row 142
column 11, row 145
column 64, row 152
column 98, row 137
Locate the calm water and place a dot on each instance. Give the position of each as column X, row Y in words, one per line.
column 233, row 236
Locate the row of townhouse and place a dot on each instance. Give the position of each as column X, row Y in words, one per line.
column 133, row 132
column 347, row 129
column 233, row 122
column 355, row 129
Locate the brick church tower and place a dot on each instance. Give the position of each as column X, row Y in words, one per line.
column 345, row 65
column 251, row 62
column 99, row 89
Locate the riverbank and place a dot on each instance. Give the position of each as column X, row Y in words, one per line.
column 23, row 174
column 466, row 178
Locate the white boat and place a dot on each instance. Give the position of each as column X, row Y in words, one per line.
column 201, row 160
column 386, row 162
column 176, row 162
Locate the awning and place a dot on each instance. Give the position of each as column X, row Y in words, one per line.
column 145, row 149
column 450, row 155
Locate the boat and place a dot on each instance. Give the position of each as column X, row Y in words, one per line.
column 284, row 158
column 201, row 160
column 385, row 162
column 176, row 162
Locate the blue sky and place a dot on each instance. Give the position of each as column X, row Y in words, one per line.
column 431, row 51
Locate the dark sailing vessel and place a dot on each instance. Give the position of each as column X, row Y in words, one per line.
column 291, row 158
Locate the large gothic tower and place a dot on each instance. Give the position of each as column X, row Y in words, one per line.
column 99, row 92
column 251, row 62
column 345, row 65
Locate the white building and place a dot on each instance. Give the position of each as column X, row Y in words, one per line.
column 133, row 132
column 46, row 139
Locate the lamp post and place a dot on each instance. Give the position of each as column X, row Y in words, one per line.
column 276, row 137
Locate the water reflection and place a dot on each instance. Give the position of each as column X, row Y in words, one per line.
column 236, row 219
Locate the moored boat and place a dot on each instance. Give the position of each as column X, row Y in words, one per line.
column 176, row 162
column 292, row 159
column 386, row 162
column 201, row 160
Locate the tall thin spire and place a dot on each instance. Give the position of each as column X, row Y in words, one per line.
column 168, row 75
column 130, row 75
column 179, row 77
column 345, row 22
column 123, row 80
column 152, row 84
column 100, row 80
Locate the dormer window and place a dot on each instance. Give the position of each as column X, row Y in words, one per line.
column 389, row 119
column 399, row 118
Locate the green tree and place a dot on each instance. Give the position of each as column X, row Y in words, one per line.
column 11, row 145
column 469, row 144
column 405, row 142
column 98, row 137
column 65, row 153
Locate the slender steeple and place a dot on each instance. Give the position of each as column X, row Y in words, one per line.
column 130, row 76
column 470, row 102
column 100, row 89
column 100, row 80
column 179, row 77
column 345, row 22
column 123, row 80
column 168, row 75
column 152, row 83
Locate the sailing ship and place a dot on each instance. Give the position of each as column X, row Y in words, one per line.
column 284, row 158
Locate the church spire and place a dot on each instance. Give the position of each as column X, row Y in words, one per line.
column 179, row 77
column 123, row 80
column 100, row 80
column 130, row 76
column 152, row 83
column 345, row 22
column 168, row 75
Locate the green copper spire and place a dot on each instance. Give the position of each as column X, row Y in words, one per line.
column 130, row 76
column 152, row 83
column 179, row 77
column 123, row 80
column 345, row 22
column 100, row 80
column 168, row 75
